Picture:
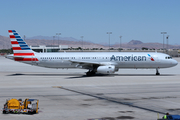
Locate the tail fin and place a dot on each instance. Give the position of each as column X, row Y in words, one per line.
column 22, row 51
column 20, row 48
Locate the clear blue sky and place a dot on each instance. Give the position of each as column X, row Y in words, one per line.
column 133, row 19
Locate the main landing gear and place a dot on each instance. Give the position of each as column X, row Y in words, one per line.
column 89, row 73
column 157, row 72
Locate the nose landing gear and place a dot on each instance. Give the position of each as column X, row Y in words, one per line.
column 157, row 72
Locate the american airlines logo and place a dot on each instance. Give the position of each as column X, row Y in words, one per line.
column 128, row 58
column 152, row 59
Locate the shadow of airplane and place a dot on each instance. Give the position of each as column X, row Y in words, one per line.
column 84, row 76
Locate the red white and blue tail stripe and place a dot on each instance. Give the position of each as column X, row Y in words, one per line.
column 22, row 51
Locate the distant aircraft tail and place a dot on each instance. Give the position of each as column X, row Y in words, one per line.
column 22, row 51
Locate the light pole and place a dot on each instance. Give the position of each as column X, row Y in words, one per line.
column 167, row 42
column 163, row 39
column 120, row 43
column 24, row 37
column 53, row 40
column 58, row 36
column 82, row 41
column 109, row 38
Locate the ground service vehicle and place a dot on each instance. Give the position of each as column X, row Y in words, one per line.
column 28, row 106
column 172, row 117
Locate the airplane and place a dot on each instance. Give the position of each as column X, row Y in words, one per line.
column 94, row 62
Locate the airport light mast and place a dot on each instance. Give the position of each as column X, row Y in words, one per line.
column 109, row 38
column 53, row 43
column 53, row 39
column 24, row 37
column 167, row 42
column 163, row 39
column 58, row 36
column 82, row 42
column 120, row 43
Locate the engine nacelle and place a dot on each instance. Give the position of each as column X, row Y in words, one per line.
column 109, row 69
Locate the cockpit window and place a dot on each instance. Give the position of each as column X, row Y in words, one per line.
column 168, row 57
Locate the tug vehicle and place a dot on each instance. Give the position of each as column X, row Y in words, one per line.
column 28, row 106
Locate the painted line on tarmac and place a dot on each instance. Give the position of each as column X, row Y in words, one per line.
column 109, row 99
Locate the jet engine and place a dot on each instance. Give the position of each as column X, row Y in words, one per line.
column 106, row 69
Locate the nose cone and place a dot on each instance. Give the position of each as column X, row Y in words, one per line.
column 174, row 62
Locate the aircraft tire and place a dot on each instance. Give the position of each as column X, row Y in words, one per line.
column 157, row 73
column 90, row 73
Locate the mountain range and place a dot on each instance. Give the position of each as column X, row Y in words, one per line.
column 72, row 42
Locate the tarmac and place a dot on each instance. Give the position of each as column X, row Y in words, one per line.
column 68, row 94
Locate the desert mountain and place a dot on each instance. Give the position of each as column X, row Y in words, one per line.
column 72, row 42
column 136, row 44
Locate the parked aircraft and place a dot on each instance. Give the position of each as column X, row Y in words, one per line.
column 94, row 62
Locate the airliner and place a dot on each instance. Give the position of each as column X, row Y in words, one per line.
column 94, row 62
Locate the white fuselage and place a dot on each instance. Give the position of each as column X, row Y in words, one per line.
column 118, row 59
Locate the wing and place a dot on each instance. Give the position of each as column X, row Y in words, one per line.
column 89, row 64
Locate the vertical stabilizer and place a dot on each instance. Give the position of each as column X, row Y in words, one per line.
column 20, row 48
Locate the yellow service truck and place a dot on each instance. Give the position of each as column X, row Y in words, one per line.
column 28, row 106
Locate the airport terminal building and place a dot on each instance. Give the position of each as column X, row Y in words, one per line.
column 48, row 48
